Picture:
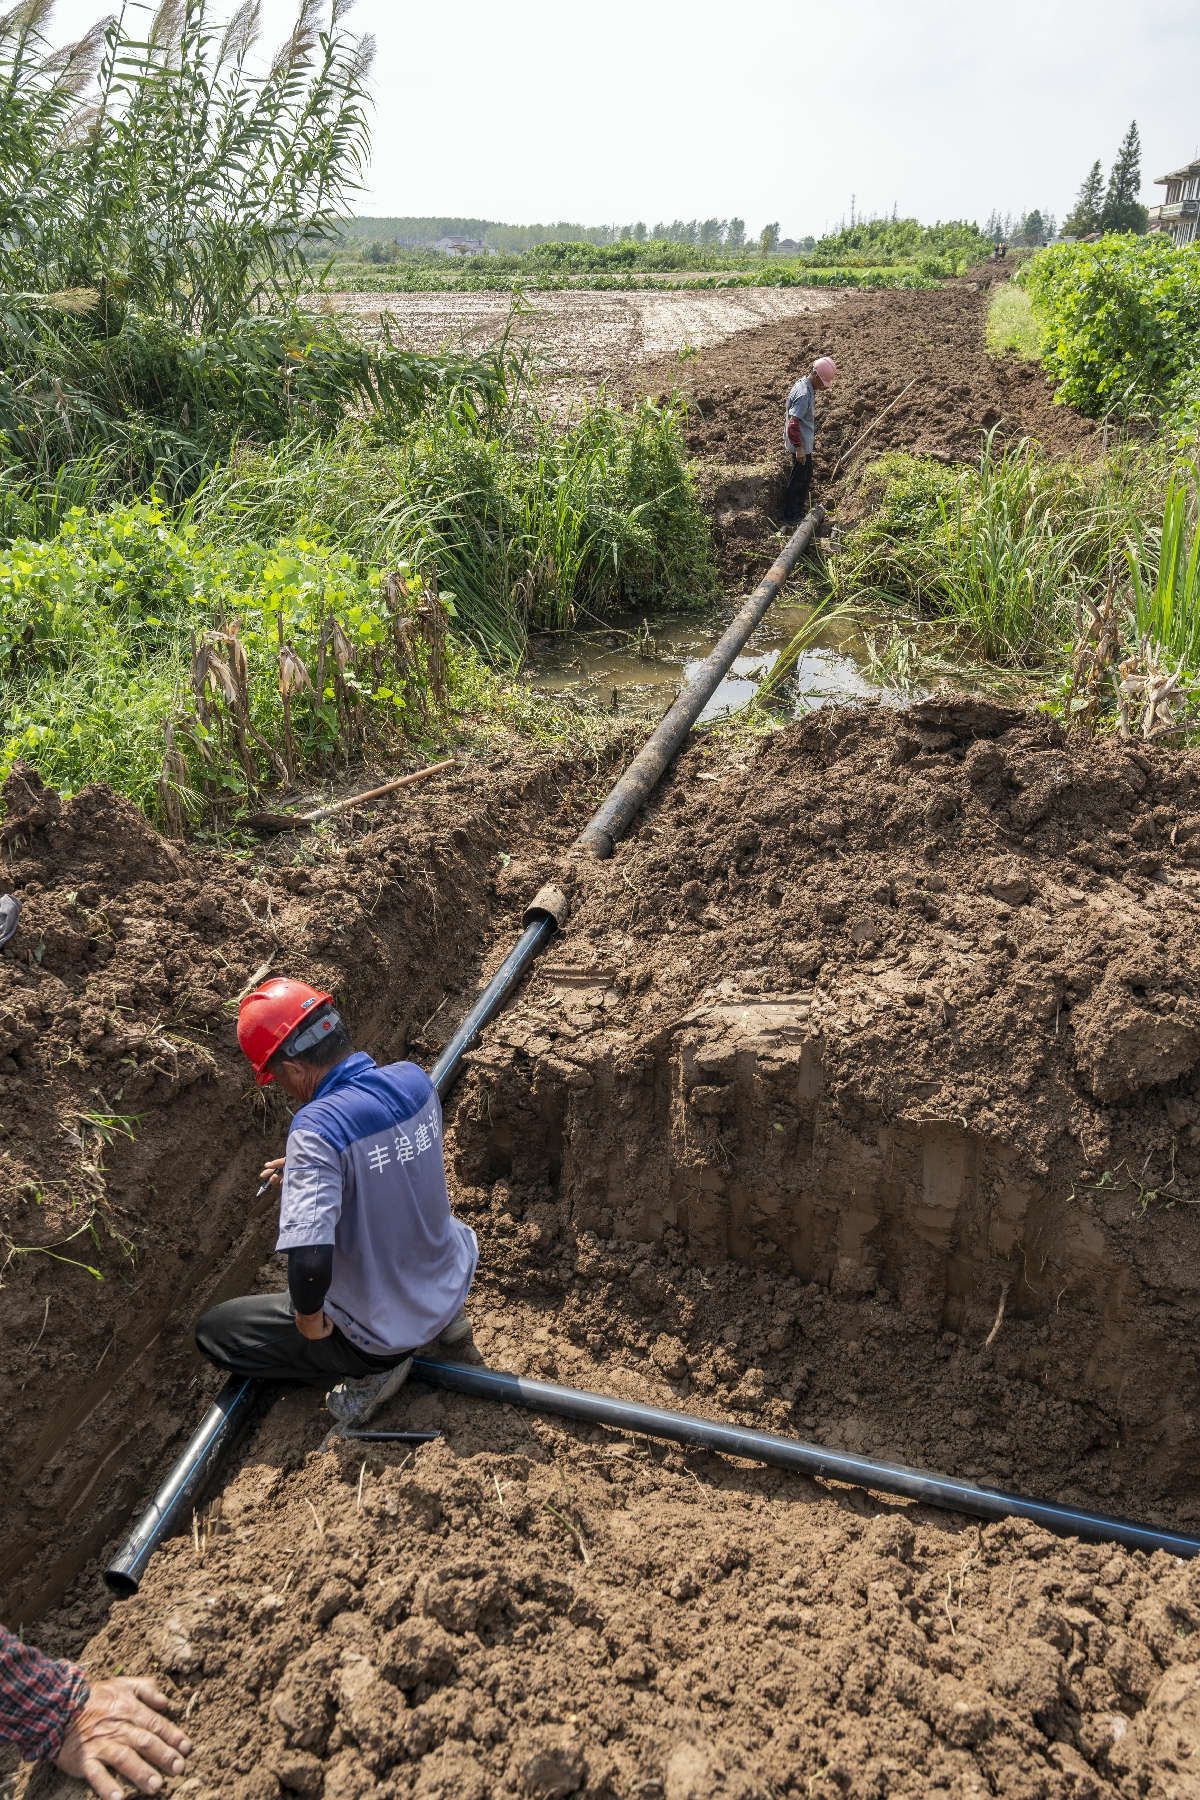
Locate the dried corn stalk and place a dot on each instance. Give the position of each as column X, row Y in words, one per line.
column 1094, row 659
column 1153, row 699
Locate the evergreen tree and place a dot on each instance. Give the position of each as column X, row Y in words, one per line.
column 1085, row 215
column 1122, row 210
column 735, row 236
column 1032, row 229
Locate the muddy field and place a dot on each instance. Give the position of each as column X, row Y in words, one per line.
column 867, row 1029
column 882, row 343
column 584, row 339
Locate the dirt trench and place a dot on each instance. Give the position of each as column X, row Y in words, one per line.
column 132, row 1133
column 869, row 1027
column 927, row 350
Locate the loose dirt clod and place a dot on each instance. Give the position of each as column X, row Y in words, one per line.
column 831, row 1054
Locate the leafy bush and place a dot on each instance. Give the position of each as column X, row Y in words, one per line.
column 187, row 673
column 951, row 247
column 1121, row 319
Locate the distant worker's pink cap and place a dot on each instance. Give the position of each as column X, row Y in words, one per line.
column 826, row 368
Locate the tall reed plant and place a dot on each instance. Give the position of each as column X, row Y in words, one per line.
column 1003, row 552
column 1164, row 568
column 152, row 162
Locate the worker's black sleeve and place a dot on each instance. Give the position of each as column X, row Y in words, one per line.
column 310, row 1271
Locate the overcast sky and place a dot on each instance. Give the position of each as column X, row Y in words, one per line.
column 764, row 109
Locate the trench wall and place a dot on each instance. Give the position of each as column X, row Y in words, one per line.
column 731, row 1133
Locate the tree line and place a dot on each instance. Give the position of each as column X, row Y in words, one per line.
column 377, row 236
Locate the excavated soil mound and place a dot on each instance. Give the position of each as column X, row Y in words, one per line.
column 880, row 342
column 132, row 1132
column 859, row 1100
column 904, row 1012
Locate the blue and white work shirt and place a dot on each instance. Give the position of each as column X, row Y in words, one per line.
column 364, row 1172
column 800, row 407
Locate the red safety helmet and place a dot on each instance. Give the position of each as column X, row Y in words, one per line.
column 268, row 1016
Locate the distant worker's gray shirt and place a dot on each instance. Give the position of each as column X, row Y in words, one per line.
column 364, row 1172
column 800, row 407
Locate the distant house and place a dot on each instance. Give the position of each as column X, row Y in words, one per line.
column 1179, row 213
column 788, row 247
column 460, row 246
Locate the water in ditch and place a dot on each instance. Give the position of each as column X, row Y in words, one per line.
column 634, row 664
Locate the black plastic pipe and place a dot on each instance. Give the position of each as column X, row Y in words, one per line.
column 196, row 1462
column 801, row 1458
column 608, row 825
column 539, row 931
column 220, row 1424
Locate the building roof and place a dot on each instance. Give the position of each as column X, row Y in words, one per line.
column 1192, row 168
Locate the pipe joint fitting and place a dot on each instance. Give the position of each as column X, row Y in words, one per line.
column 548, row 903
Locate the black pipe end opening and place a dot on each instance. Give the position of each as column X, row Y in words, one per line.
column 121, row 1583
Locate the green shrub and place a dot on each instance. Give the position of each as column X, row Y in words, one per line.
column 187, row 673
column 1003, row 552
column 529, row 527
column 1121, row 321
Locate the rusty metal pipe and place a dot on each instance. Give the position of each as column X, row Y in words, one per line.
column 608, row 825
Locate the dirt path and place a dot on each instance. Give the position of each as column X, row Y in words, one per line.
column 866, row 1027
column 880, row 342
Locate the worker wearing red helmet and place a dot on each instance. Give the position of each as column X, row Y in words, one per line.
column 378, row 1265
column 799, row 432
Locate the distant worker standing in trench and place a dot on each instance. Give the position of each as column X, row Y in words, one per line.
column 378, row 1266
column 799, row 430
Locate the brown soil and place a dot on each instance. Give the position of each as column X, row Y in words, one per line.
column 868, row 1027
column 879, row 341
column 132, row 1134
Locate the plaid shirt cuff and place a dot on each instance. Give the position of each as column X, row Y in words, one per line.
column 38, row 1698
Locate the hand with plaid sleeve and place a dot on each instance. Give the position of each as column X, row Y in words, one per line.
column 51, row 1712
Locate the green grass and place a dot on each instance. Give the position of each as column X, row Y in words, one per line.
column 528, row 526
column 1002, row 553
column 1011, row 324
column 1164, row 567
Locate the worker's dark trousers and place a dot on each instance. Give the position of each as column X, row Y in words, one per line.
column 795, row 495
column 256, row 1335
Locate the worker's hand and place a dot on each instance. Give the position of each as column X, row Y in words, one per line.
column 801, row 454
column 314, row 1325
column 120, row 1731
column 273, row 1170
